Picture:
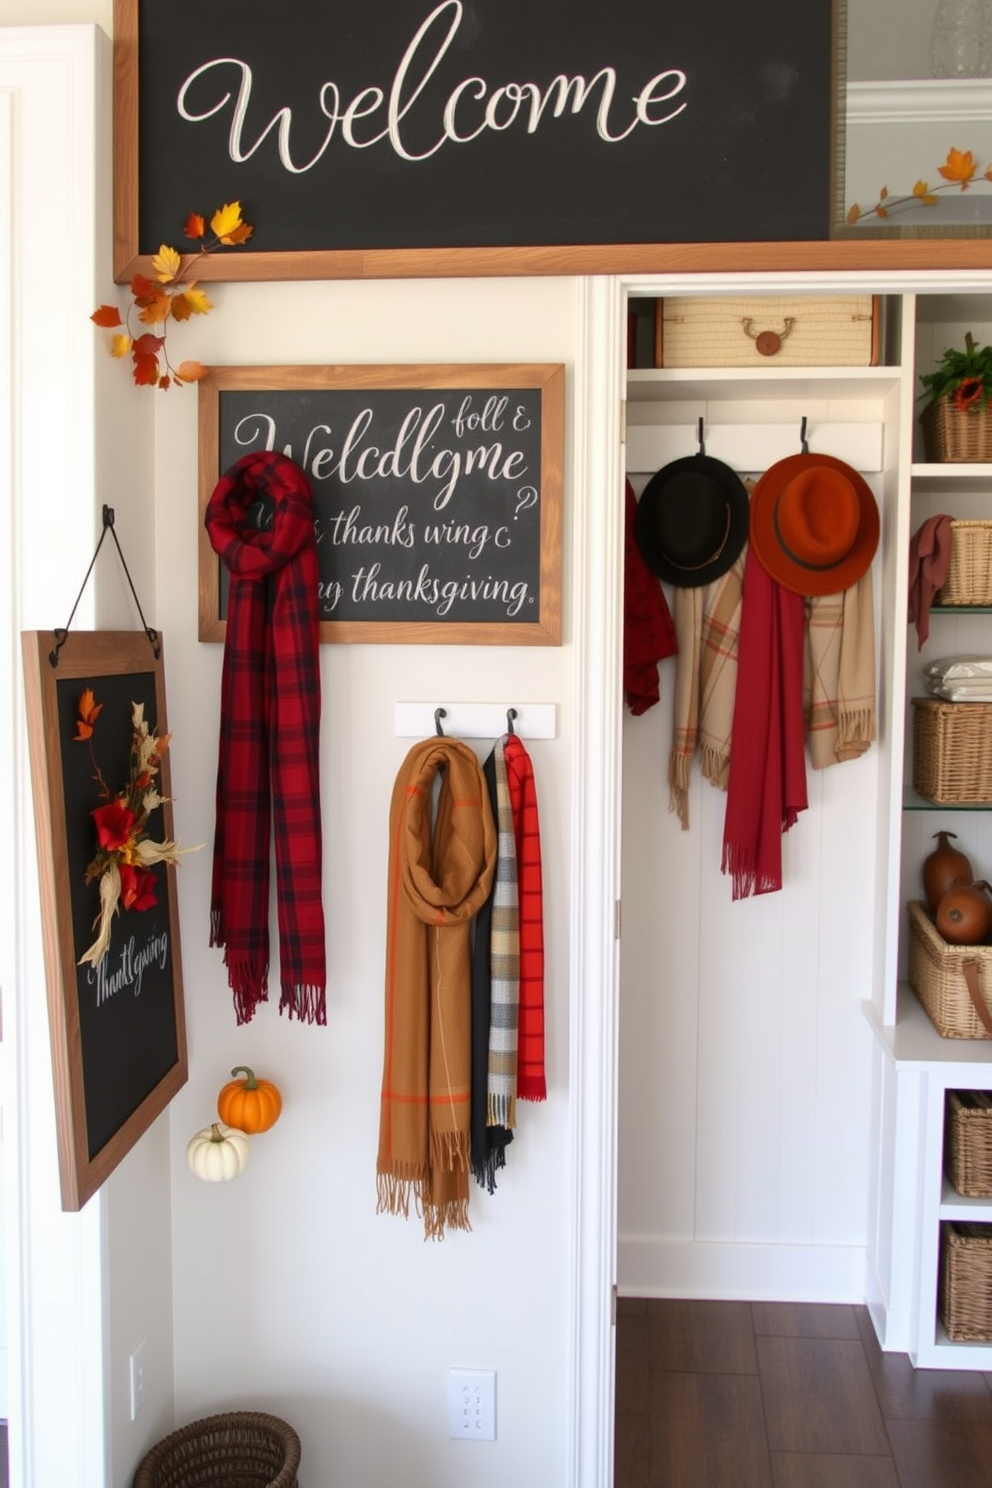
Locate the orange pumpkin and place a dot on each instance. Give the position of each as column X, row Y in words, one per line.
column 251, row 1105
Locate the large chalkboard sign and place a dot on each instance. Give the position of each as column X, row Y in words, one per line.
column 437, row 492
column 414, row 128
column 118, row 1033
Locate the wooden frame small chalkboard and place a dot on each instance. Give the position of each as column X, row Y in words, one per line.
column 118, row 1031
column 437, row 494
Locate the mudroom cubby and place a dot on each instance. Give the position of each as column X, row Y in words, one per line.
column 774, row 1045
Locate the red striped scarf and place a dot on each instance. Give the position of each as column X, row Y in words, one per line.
column 531, row 1082
column 268, row 769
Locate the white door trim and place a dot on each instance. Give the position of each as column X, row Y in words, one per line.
column 595, row 890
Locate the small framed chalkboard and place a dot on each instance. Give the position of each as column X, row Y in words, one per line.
column 437, row 494
column 96, row 730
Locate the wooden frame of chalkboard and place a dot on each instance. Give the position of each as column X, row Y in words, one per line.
column 118, row 1029
column 437, row 493
column 505, row 139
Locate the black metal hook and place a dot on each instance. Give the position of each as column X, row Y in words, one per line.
column 62, row 633
column 699, row 436
column 439, row 713
column 511, row 714
column 804, row 442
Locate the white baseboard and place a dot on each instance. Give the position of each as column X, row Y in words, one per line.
column 724, row 1271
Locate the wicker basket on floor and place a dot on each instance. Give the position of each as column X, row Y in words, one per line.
column 968, row 1133
column 957, row 434
column 240, row 1449
column 969, row 572
column 966, row 1282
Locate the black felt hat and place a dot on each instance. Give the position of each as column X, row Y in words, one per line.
column 692, row 521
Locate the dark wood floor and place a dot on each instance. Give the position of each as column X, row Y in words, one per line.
column 787, row 1395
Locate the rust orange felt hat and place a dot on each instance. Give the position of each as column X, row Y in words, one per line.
column 814, row 524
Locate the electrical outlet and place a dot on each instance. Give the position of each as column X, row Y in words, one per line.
column 137, row 1363
column 472, row 1404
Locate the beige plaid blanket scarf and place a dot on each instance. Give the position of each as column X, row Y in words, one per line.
column 707, row 623
column 839, row 674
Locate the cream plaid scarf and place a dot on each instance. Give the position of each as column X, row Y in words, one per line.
column 707, row 623
column 839, row 674
column 504, row 956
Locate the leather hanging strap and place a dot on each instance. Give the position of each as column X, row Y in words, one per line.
column 970, row 971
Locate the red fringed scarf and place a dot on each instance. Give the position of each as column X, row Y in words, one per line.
column 269, row 738
column 767, row 785
column 531, row 1083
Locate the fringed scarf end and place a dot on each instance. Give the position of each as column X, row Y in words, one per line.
column 532, row 1087
column 308, row 1003
column 449, row 1151
column 249, row 984
column 715, row 765
column 679, row 766
column 484, row 1171
column 394, row 1190
column 439, row 1218
column 741, row 864
column 501, row 1110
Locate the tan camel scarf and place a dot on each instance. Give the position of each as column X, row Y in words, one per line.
column 437, row 882
column 707, row 623
column 839, row 674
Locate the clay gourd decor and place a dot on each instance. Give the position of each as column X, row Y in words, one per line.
column 218, row 1152
column 251, row 1104
column 964, row 915
column 944, row 868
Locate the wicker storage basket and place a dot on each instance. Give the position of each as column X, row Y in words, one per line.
column 969, row 573
column 938, row 976
column 956, row 434
column 966, row 1281
column 968, row 1142
column 952, row 751
column 242, row 1449
column 764, row 331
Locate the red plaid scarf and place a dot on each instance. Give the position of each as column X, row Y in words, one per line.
column 269, row 738
column 531, row 1084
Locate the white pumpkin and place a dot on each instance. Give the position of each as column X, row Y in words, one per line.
column 217, row 1153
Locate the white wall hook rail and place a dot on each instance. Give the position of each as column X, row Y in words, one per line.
column 475, row 720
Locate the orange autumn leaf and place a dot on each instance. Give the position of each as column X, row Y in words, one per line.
column 194, row 226
column 120, row 345
column 924, row 195
column 241, row 234
column 960, row 166
column 107, row 317
column 156, row 308
column 882, row 211
column 853, row 213
column 190, row 372
column 89, row 712
column 189, row 302
column 883, row 193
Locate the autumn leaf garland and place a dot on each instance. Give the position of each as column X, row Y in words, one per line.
column 170, row 296
column 959, row 170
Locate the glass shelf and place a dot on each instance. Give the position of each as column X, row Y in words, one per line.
column 961, row 609
column 912, row 801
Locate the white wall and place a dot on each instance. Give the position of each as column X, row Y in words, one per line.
column 289, row 1291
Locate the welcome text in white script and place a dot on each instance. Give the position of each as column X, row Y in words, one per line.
column 472, row 107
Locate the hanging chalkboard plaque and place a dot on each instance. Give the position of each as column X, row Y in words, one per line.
column 117, row 1024
column 437, row 491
